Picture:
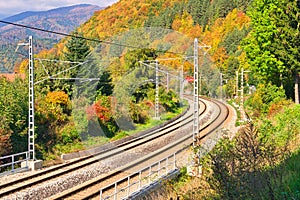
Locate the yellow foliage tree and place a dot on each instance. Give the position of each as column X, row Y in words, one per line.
column 58, row 97
column 184, row 24
column 23, row 66
column 222, row 26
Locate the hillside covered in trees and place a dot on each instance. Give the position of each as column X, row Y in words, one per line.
column 258, row 37
column 221, row 24
column 64, row 19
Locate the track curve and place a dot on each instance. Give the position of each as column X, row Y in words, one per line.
column 46, row 175
column 90, row 190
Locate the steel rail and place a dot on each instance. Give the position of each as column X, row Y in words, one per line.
column 71, row 166
column 90, row 189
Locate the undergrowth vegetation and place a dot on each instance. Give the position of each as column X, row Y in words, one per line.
column 260, row 162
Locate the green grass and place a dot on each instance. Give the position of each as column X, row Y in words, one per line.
column 78, row 146
column 151, row 123
column 91, row 142
column 95, row 141
column 120, row 135
column 238, row 112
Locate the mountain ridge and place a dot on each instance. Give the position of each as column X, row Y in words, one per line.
column 63, row 19
column 49, row 13
column 25, row 14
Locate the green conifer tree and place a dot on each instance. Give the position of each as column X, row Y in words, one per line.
column 77, row 48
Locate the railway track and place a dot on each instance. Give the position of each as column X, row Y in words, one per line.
column 9, row 188
column 222, row 116
column 90, row 189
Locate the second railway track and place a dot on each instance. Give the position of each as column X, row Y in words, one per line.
column 8, row 188
column 90, row 189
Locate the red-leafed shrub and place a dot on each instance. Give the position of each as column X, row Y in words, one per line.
column 101, row 110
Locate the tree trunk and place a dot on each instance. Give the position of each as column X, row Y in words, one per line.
column 297, row 88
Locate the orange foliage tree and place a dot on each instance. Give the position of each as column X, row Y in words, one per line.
column 100, row 109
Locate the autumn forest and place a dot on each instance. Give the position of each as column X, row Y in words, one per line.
column 257, row 37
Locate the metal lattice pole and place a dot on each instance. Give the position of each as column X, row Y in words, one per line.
column 196, row 93
column 221, row 85
column 31, row 83
column 242, row 89
column 157, row 70
column 31, row 102
column 156, row 91
column 237, row 84
column 181, row 83
column 242, row 93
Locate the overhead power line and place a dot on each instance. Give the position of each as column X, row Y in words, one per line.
column 80, row 37
column 63, row 34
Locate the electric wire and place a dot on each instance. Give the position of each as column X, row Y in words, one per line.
column 81, row 37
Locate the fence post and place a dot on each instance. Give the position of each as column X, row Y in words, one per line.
column 167, row 165
column 158, row 169
column 174, row 161
column 27, row 155
column 150, row 169
column 128, row 185
column 140, row 177
column 12, row 163
column 101, row 194
column 115, row 196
